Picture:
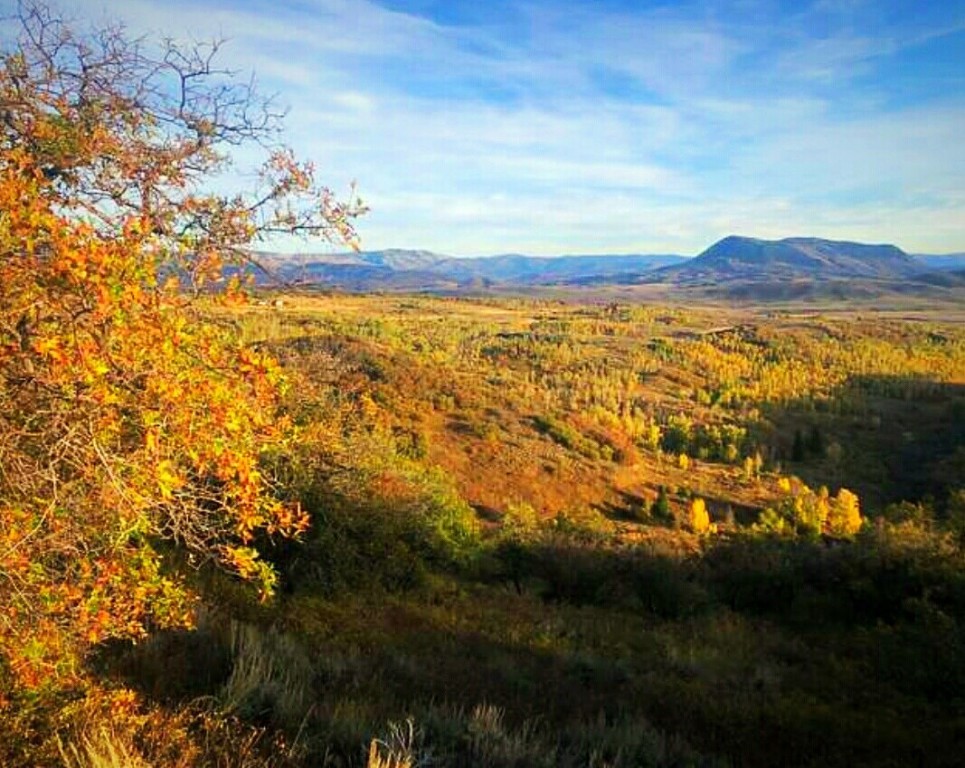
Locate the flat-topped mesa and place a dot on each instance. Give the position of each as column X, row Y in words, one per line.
column 747, row 258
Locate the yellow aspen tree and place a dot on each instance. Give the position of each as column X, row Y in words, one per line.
column 698, row 519
column 844, row 515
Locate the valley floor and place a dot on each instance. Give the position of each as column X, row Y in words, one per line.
column 510, row 564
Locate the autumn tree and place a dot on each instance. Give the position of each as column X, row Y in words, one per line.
column 844, row 514
column 814, row 513
column 127, row 418
column 697, row 518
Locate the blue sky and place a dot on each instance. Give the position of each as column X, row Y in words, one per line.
column 484, row 126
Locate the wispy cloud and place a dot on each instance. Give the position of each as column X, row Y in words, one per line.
column 561, row 126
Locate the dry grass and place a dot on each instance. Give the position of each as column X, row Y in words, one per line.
column 270, row 678
column 103, row 749
column 397, row 750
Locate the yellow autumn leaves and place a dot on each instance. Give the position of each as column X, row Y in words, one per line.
column 698, row 518
column 816, row 512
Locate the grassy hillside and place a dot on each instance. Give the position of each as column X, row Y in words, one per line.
column 508, row 563
column 557, row 405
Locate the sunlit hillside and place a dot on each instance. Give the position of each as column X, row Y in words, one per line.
column 284, row 486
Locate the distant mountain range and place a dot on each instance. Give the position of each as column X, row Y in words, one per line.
column 412, row 269
column 735, row 264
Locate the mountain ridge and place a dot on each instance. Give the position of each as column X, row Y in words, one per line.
column 734, row 261
column 737, row 257
column 400, row 266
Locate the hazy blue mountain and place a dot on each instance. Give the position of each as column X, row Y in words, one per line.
column 536, row 270
column 944, row 262
column 411, row 268
column 751, row 259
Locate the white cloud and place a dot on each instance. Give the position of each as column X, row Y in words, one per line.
column 576, row 129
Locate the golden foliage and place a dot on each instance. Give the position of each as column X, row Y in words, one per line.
column 698, row 519
column 844, row 514
column 126, row 416
column 813, row 512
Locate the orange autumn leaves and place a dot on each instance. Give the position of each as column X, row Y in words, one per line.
column 131, row 421
column 127, row 419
